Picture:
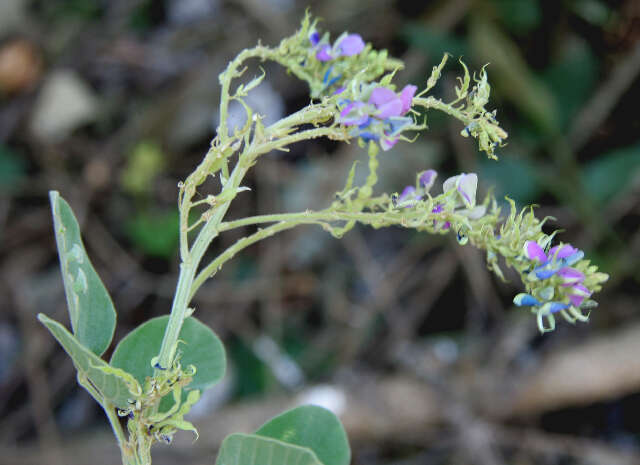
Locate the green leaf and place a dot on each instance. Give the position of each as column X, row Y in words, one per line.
column 112, row 385
column 249, row 449
column 314, row 427
column 199, row 347
column 611, row 173
column 93, row 317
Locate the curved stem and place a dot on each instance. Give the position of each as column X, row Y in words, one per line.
column 188, row 270
column 227, row 76
column 228, row 254
column 286, row 221
column 309, row 216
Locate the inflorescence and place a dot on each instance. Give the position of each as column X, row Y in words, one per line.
column 558, row 279
column 354, row 82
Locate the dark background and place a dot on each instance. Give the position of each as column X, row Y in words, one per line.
column 407, row 335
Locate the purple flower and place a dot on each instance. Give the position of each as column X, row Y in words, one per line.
column 323, row 53
column 350, row 116
column 351, row 45
column 466, row 185
column 347, row 45
column 314, row 38
column 406, row 96
column 381, row 114
column 570, row 276
column 437, row 209
column 562, row 251
column 557, row 261
column 408, row 193
column 386, row 101
column 386, row 143
column 579, row 294
column 427, row 178
column 389, row 103
column 565, row 254
column 533, row 251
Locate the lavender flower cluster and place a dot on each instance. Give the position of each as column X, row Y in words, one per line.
column 346, row 45
column 373, row 111
column 378, row 113
column 558, row 279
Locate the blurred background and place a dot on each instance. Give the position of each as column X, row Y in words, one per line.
column 406, row 336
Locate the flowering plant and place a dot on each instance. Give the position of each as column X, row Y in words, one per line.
column 157, row 372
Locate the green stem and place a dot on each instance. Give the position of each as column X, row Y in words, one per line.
column 308, row 217
column 227, row 76
column 209, row 270
column 188, row 270
column 437, row 104
column 114, row 420
column 286, row 221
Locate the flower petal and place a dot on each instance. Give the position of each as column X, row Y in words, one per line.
column 576, row 300
column 579, row 294
column 391, row 108
column 381, row 95
column 314, row 38
column 525, row 300
column 554, row 307
column 351, row 45
column 467, row 185
column 397, row 124
column 573, row 258
column 450, row 183
column 579, row 289
column 533, row 251
column 408, row 193
column 323, row 53
column 475, row 213
column 427, row 178
column 354, row 120
column 563, row 251
column 407, row 97
column 367, row 136
column 386, row 143
column 349, row 116
column 545, row 273
column 570, row 276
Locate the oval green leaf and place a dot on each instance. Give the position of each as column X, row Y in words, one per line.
column 312, row 427
column 251, row 449
column 199, row 346
column 93, row 317
column 111, row 386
